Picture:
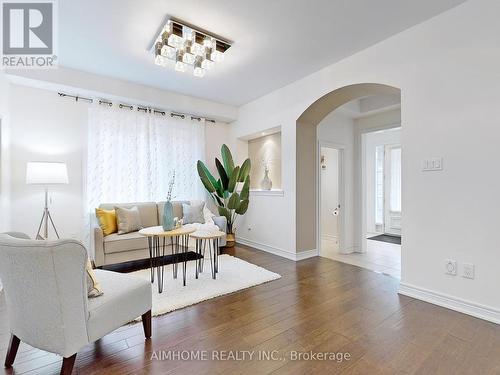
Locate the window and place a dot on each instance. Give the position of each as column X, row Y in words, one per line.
column 395, row 201
column 379, row 185
column 131, row 156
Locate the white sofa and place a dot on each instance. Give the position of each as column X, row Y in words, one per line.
column 118, row 248
column 45, row 286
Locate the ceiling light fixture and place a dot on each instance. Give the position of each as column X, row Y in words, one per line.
column 186, row 46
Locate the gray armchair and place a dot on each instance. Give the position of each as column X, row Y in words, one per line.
column 45, row 287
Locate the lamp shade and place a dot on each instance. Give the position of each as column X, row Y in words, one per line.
column 40, row 172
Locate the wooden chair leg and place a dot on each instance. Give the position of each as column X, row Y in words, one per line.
column 146, row 324
column 12, row 351
column 67, row 365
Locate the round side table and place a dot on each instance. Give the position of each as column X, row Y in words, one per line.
column 157, row 239
column 212, row 238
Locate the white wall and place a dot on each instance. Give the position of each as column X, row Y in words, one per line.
column 447, row 69
column 4, row 153
column 44, row 126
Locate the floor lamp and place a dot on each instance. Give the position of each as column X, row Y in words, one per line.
column 46, row 173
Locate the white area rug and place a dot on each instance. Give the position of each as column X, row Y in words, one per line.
column 234, row 274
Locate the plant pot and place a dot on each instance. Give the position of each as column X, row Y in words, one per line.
column 230, row 240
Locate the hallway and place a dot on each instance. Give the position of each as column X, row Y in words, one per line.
column 380, row 256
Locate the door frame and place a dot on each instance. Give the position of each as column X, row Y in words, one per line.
column 341, row 192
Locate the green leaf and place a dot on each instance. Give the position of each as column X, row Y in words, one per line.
column 245, row 191
column 219, row 189
column 244, row 170
column 242, row 207
column 227, row 159
column 233, row 179
column 206, row 177
column 234, row 201
column 218, row 200
column 224, row 212
column 222, row 173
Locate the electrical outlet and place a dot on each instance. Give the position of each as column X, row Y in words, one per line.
column 450, row 267
column 468, row 270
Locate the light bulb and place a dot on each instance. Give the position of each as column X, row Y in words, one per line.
column 188, row 58
column 168, row 51
column 187, row 33
column 161, row 60
column 198, row 49
column 207, row 42
column 180, row 66
column 199, row 72
column 207, row 64
column 175, row 41
column 217, row 56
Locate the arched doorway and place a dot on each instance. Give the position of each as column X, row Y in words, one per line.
column 307, row 225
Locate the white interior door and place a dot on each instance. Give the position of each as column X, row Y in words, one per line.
column 392, row 182
column 330, row 197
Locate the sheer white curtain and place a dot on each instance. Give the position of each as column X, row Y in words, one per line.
column 131, row 156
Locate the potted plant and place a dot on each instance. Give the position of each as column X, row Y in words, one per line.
column 229, row 202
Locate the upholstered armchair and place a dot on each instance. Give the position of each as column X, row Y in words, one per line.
column 45, row 288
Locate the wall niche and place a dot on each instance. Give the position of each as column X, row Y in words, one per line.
column 264, row 151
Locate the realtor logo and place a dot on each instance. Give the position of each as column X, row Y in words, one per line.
column 28, row 31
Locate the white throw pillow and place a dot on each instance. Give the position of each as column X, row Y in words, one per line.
column 207, row 214
column 193, row 213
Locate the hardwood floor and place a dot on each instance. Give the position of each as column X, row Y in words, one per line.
column 318, row 305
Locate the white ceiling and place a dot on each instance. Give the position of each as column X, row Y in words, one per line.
column 275, row 41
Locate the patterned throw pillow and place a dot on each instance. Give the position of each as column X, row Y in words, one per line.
column 193, row 213
column 128, row 219
column 93, row 286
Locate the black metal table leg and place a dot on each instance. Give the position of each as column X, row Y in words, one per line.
column 184, row 260
column 217, row 254
column 203, row 245
column 161, row 266
column 197, row 261
column 175, row 241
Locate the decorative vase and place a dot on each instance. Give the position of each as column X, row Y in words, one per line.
column 168, row 216
column 230, row 240
column 266, row 183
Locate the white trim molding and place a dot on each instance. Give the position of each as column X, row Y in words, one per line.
column 450, row 302
column 277, row 251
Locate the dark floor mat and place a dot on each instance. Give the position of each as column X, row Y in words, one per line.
column 387, row 238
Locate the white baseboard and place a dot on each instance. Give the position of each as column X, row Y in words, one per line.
column 277, row 251
column 450, row 302
column 329, row 237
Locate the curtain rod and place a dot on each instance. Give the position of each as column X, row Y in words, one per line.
column 139, row 108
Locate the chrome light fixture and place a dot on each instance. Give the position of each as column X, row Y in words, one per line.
column 184, row 47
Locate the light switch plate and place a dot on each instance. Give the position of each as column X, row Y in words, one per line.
column 432, row 164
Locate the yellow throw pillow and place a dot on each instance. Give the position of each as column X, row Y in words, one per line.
column 107, row 220
column 93, row 286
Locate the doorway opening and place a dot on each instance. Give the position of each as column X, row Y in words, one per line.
column 381, row 169
column 330, row 198
column 332, row 215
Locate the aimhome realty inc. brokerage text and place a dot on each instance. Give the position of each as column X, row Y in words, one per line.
column 248, row 355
